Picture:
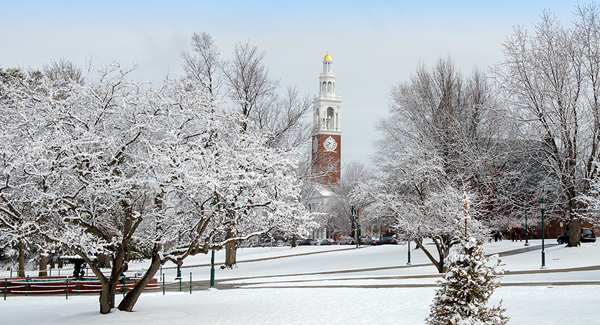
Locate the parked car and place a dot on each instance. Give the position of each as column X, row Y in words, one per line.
column 587, row 236
column 348, row 241
column 308, row 241
column 387, row 240
column 328, row 241
column 368, row 241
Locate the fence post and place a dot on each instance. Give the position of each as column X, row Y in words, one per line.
column 163, row 281
column 179, row 284
column 190, row 282
column 26, row 285
column 78, row 287
column 5, row 287
column 11, row 271
column 67, row 290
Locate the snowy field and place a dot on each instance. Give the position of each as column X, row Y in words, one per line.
column 336, row 285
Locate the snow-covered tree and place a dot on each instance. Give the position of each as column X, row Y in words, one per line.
column 21, row 139
column 470, row 281
column 435, row 145
column 253, row 94
column 437, row 216
column 550, row 80
column 117, row 164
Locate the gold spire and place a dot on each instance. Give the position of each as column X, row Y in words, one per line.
column 327, row 57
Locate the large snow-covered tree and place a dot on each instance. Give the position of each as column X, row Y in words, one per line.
column 247, row 86
column 551, row 82
column 125, row 164
column 435, row 145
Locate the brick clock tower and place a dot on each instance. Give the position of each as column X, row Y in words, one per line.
column 327, row 142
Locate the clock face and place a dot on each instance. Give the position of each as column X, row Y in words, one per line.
column 329, row 144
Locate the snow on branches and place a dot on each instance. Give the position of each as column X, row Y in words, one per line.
column 116, row 166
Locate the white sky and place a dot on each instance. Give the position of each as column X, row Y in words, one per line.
column 374, row 44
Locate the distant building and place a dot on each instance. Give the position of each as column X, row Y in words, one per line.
column 326, row 145
column 327, row 142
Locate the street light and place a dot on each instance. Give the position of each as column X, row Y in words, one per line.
column 542, row 208
column 355, row 217
column 178, row 277
column 212, row 265
column 408, row 241
column 526, row 232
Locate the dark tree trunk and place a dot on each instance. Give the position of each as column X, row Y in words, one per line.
column 230, row 250
column 43, row 265
column 293, row 241
column 438, row 264
column 132, row 296
column 574, row 233
column 21, row 259
column 107, row 295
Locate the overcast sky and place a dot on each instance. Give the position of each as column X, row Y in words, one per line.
column 374, row 44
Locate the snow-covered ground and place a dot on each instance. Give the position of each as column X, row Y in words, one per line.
column 335, row 285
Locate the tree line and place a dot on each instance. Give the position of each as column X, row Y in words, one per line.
column 528, row 129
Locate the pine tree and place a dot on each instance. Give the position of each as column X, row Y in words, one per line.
column 466, row 288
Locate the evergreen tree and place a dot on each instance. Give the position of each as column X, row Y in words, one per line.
column 465, row 290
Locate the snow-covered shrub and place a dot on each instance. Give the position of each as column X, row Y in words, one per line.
column 470, row 280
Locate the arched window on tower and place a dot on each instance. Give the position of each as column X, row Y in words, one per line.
column 329, row 86
column 330, row 118
column 324, row 87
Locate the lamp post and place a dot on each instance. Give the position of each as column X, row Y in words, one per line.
column 408, row 242
column 542, row 208
column 526, row 231
column 354, row 217
column 178, row 277
column 212, row 265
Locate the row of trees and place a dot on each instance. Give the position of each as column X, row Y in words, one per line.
column 529, row 129
column 107, row 165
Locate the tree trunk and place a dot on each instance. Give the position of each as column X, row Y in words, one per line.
column 574, row 233
column 230, row 250
column 21, row 259
column 107, row 295
column 438, row 264
column 293, row 241
column 132, row 296
column 43, row 265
